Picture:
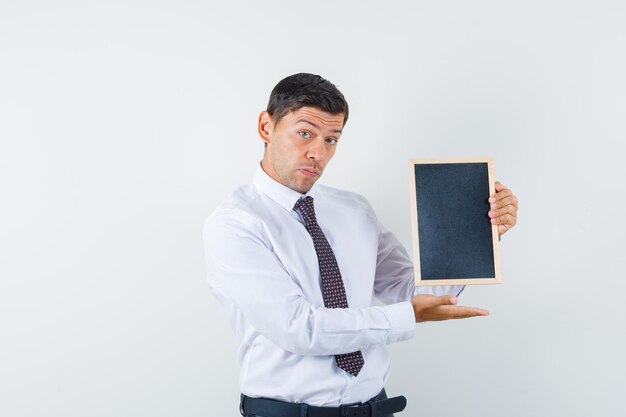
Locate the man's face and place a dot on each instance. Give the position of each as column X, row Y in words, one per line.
column 299, row 146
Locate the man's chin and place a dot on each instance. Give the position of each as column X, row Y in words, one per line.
column 302, row 187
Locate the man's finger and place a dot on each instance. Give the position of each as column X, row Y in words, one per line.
column 501, row 212
column 500, row 186
column 465, row 312
column 506, row 201
column 503, row 228
column 500, row 195
column 452, row 312
column 424, row 302
column 505, row 219
column 439, row 300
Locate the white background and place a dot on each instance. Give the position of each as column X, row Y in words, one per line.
column 124, row 123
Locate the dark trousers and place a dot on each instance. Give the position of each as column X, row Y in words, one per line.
column 381, row 396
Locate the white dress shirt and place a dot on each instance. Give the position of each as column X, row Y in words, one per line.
column 263, row 268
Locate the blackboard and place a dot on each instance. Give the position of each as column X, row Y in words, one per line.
column 454, row 241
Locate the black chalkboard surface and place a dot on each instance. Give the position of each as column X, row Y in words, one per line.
column 453, row 240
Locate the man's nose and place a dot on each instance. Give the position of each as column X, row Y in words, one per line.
column 317, row 150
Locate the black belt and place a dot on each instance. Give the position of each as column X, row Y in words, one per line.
column 274, row 408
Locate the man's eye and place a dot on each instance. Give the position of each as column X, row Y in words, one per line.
column 331, row 141
column 304, row 134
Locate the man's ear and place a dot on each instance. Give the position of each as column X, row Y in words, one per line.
column 265, row 126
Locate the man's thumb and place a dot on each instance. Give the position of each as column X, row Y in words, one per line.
column 448, row 300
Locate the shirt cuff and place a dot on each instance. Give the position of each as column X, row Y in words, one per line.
column 401, row 319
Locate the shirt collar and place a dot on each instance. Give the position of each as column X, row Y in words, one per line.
column 284, row 196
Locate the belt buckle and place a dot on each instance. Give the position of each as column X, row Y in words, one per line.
column 358, row 410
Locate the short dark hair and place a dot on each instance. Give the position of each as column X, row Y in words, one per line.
column 306, row 90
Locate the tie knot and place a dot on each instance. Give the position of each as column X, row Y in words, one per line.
column 306, row 209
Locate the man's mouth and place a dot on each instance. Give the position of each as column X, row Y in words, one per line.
column 310, row 172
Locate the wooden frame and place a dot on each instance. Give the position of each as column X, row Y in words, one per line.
column 473, row 164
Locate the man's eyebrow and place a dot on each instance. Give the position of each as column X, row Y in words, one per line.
column 316, row 126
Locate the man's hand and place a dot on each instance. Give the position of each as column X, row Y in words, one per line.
column 503, row 205
column 436, row 308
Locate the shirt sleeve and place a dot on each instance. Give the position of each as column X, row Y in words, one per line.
column 244, row 270
column 395, row 279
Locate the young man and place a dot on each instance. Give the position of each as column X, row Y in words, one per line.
column 298, row 267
